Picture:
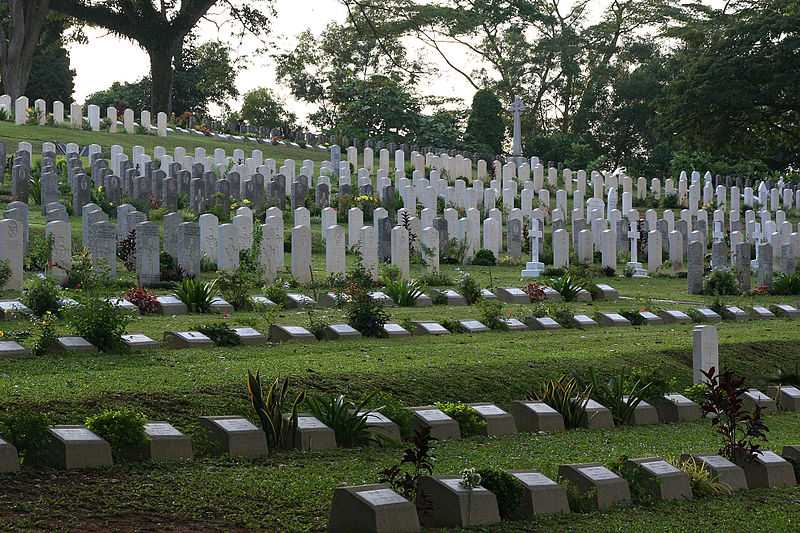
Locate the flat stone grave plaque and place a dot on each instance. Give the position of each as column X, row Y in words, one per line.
column 250, row 336
column 9, row 459
column 261, row 301
column 551, row 295
column 784, row 310
column 544, row 323
column 138, row 341
column 733, row 313
column 186, row 339
column 453, row 505
column 423, row 300
column 442, row 426
column 533, row 417
column 171, row 305
column 380, row 424
column 667, row 482
column 643, row 414
column 341, row 331
column 452, row 297
column 328, row 299
column 382, row 297
column 67, row 302
column 395, row 330
column 542, row 495
column 486, row 294
column 290, row 334
column 512, row 295
column 598, row 416
column 791, row 454
column 77, row 447
column 753, row 397
column 74, row 344
column 725, row 471
column 583, row 296
column 709, row 316
column 677, row 408
column 473, row 326
column 313, row 435
column 584, row 321
column 430, row 328
column 498, row 422
column 13, row 308
column 606, row 488
column 760, row 312
column 124, row 304
column 371, row 509
column 768, row 470
column 13, row 349
column 236, row 436
column 673, row 316
column 218, row 305
column 298, row 301
column 612, row 319
column 651, row 319
column 166, row 442
column 607, row 292
column 514, row 325
column 787, row 397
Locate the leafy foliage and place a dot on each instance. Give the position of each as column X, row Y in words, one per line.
column 280, row 431
column 42, row 295
column 786, row 284
column 144, row 299
column 469, row 288
column 704, row 484
column 403, row 292
column 567, row 286
column 99, row 321
column 124, row 431
column 44, row 333
column 197, row 295
column 347, row 418
column 5, row 272
column 28, row 432
column 492, row 314
column 566, row 396
column 220, row 332
column 470, row 422
column 484, row 257
column 721, row 282
column 508, row 490
column 621, row 393
column 235, row 286
column 417, row 461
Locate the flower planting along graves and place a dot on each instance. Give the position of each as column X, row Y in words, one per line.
column 656, row 479
column 278, row 333
column 453, row 503
column 721, row 468
column 312, row 434
column 76, row 447
column 498, row 422
column 441, row 426
column 186, row 339
column 596, row 485
column 371, row 509
column 9, row 459
column 165, row 442
column 236, row 436
column 675, row 408
column 542, row 495
column 534, row 417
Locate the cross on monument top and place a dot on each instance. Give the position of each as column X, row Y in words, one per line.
column 517, row 106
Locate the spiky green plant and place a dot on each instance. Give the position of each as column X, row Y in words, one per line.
column 280, row 431
column 403, row 292
column 197, row 295
column 567, row 397
column 567, row 286
column 621, row 394
column 347, row 418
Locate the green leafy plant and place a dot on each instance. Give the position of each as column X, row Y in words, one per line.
column 492, row 314
column 28, row 432
column 44, row 333
column 581, row 501
column 235, row 286
column 169, row 268
column 470, row 422
column 126, row 251
column 280, row 431
column 786, row 284
column 85, row 276
column 508, row 490
column 567, row 286
column 42, row 295
column 316, row 324
column 40, row 249
column 403, row 292
column 363, row 312
column 276, row 292
column 563, row 314
column 348, row 419
column 484, row 257
column 196, row 295
column 452, row 325
column 566, row 396
column 721, row 282
column 98, row 321
column 417, row 461
column 696, row 393
column 435, row 279
column 219, row 332
column 703, row 483
column 124, row 431
column 644, row 488
column 469, row 288
column 787, row 376
column 535, row 291
column 621, row 393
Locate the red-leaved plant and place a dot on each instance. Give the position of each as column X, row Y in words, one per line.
column 535, row 291
column 144, row 300
column 740, row 429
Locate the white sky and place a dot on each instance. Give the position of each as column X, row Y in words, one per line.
column 106, row 59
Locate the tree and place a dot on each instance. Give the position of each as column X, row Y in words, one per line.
column 51, row 78
column 263, row 110
column 160, row 27
column 20, row 27
column 123, row 96
column 485, row 128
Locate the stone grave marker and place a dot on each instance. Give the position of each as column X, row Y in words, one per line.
column 643, row 414
column 74, row 345
column 760, row 312
column 9, row 459
column 138, row 341
column 124, row 304
column 381, row 425
column 768, row 470
column 787, row 397
column 732, row 312
column 753, row 397
column 514, row 325
column 498, row 422
column 77, row 447
column 611, row 319
column 298, row 301
column 430, row 328
column 512, row 295
column 473, row 326
column 533, row 417
column 605, row 487
column 261, row 301
column 598, row 416
column 382, row 297
column 13, row 349
column 704, row 314
column 395, row 330
column 451, row 296
column 784, row 310
column 677, row 408
column 791, row 454
column 726, row 471
column 186, row 339
column 584, row 321
column 220, row 306
column 441, row 425
column 423, row 300
column 340, row 331
column 542, row 496
column 674, row 317
column 313, row 435
column 650, row 318
column 172, row 305
column 166, row 442
column 454, row 505
column 249, row 336
column 544, row 323
column 279, row 333
column 371, row 509
column 607, row 292
column 236, row 436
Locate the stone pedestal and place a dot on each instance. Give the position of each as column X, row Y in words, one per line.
column 768, row 470
column 453, row 505
column 498, row 422
column 77, row 447
column 290, row 334
column 664, row 481
column 236, row 436
column 9, row 459
column 598, row 416
column 371, row 509
column 442, row 426
column 727, row 472
column 533, row 417
column 533, row 270
column 186, row 339
column 313, row 435
column 606, row 488
column 542, row 496
column 166, row 442
column 677, row 408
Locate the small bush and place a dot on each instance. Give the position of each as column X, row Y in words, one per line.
column 403, row 292
column 566, row 396
column 567, row 286
column 126, row 251
column 435, row 279
column 703, row 483
column 315, row 324
column 42, row 295
column 169, row 268
column 346, row 418
column 99, row 322
column 470, row 422
column 143, row 299
column 124, row 431
column 453, row 326
column 721, row 283
column 786, row 284
column 484, row 257
column 508, row 490
column 363, row 312
column 563, row 314
column 492, row 314
column 235, row 286
column 276, row 292
column 535, row 292
column 28, row 432
column 469, row 288
column 44, row 334
column 84, row 276
column 221, row 333
column 196, row 295
column 40, row 250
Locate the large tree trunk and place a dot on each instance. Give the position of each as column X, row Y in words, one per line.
column 163, row 76
column 16, row 49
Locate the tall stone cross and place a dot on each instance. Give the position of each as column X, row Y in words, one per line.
column 517, row 107
column 633, row 235
column 535, row 235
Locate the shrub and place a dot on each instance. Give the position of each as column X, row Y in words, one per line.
column 346, row 418
column 469, row 288
column 363, row 312
column 562, row 314
column 276, row 292
column 633, row 316
column 395, row 410
column 470, row 422
column 40, row 250
column 492, row 314
column 435, row 279
column 506, row 488
column 235, row 286
column 643, row 487
column 389, row 273
column 721, row 283
column 5, row 272
column 566, row 396
column 786, row 284
column 197, row 295
column 403, row 292
column 98, row 321
column 84, row 276
column 44, row 333
column 484, row 257
column 143, row 299
column 221, row 333
column 28, row 432
column 42, row 295
column 535, row 291
column 621, row 393
column 280, row 432
column 315, row 324
column 417, row 461
column 702, row 481
column 126, row 251
column 452, row 325
column 169, row 268
column 124, row 431
column 567, row 286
